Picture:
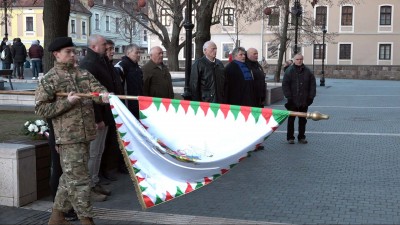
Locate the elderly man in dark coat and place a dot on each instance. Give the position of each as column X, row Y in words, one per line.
column 207, row 76
column 299, row 88
column 239, row 81
column 157, row 80
column 260, row 87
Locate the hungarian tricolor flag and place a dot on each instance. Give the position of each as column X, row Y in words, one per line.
column 179, row 146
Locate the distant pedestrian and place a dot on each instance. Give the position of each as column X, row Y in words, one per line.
column 35, row 53
column 207, row 76
column 264, row 65
column 239, row 81
column 7, row 61
column 19, row 54
column 299, row 88
column 157, row 80
column 287, row 64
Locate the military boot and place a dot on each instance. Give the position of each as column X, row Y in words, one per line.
column 57, row 218
column 87, row 221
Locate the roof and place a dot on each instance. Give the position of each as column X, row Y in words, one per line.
column 76, row 5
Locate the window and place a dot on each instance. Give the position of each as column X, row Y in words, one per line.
column 83, row 27
column 345, row 51
column 145, row 35
column 274, row 17
column 386, row 15
column 385, row 51
column 97, row 21
column 117, row 25
column 73, row 30
column 228, row 17
column 107, row 23
column 320, row 16
column 29, row 23
column 318, row 51
column 165, row 17
column 347, row 15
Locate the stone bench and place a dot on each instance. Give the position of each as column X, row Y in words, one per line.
column 28, row 179
column 18, row 174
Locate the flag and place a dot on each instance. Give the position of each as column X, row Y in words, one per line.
column 179, row 146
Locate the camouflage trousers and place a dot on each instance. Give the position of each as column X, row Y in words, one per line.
column 73, row 188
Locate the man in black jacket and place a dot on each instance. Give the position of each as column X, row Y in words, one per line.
column 19, row 53
column 260, row 87
column 207, row 76
column 299, row 88
column 132, row 76
column 97, row 64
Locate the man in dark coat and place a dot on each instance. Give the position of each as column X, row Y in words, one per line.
column 132, row 76
column 157, row 81
column 207, row 76
column 19, row 54
column 239, row 81
column 35, row 53
column 299, row 88
column 97, row 64
column 260, row 87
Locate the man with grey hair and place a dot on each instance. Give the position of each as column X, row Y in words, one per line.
column 239, row 80
column 132, row 76
column 96, row 63
column 157, row 81
column 207, row 76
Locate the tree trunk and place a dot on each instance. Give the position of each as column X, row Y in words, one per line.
column 283, row 41
column 203, row 26
column 55, row 20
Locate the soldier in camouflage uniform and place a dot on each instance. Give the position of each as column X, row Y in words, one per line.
column 74, row 127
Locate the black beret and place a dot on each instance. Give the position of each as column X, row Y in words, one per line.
column 60, row 43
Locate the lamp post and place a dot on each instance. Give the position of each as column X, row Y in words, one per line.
column 296, row 11
column 5, row 19
column 322, row 80
column 188, row 61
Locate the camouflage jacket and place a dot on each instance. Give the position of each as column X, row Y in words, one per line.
column 72, row 123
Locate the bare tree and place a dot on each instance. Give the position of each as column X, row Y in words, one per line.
column 55, row 19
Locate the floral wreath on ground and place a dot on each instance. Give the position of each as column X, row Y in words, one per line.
column 37, row 129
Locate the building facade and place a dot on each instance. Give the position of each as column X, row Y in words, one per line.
column 362, row 34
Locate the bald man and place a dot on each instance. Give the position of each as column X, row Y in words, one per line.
column 260, row 87
column 157, row 81
column 97, row 64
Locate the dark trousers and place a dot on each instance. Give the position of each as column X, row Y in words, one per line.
column 112, row 156
column 55, row 169
column 19, row 69
column 302, row 124
column 6, row 66
column 36, row 67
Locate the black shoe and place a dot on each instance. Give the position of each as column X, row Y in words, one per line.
column 71, row 215
column 303, row 141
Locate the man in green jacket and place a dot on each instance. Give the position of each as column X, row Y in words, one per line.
column 157, row 81
column 74, row 127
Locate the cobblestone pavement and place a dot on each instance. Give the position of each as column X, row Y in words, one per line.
column 348, row 173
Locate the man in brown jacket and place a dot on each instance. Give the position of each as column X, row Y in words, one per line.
column 157, row 80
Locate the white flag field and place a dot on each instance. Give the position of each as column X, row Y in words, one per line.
column 179, row 146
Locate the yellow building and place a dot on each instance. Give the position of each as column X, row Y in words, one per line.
column 26, row 22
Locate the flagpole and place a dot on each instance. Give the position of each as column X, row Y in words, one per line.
column 309, row 115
